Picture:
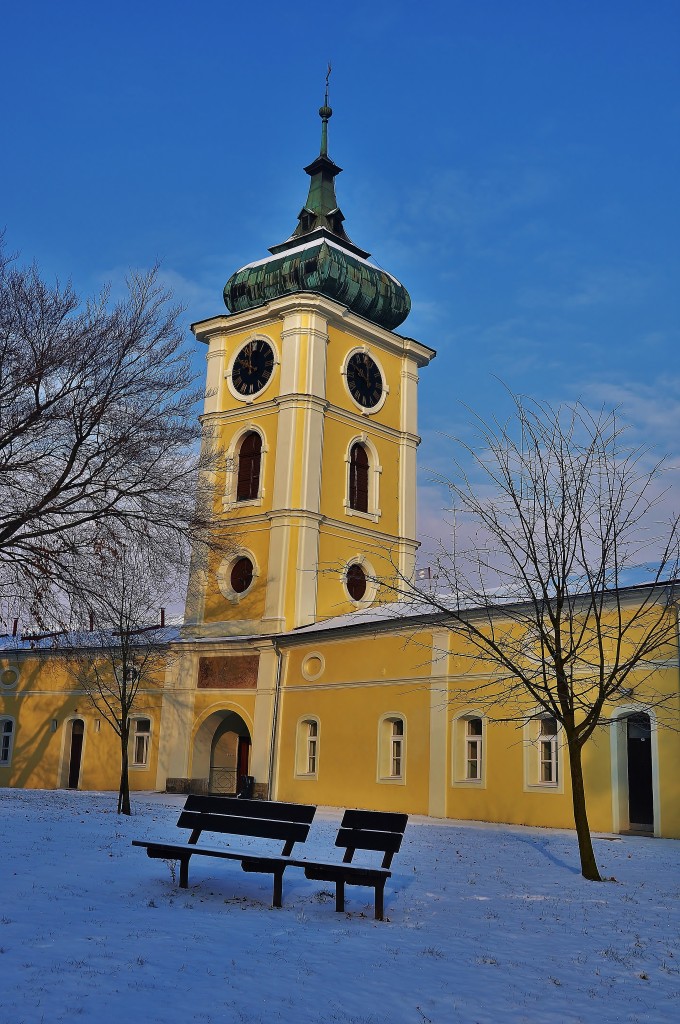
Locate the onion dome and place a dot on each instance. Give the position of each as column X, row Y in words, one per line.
column 321, row 257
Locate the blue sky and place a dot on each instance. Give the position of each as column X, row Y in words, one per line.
column 515, row 164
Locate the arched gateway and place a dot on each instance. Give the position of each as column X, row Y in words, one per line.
column 221, row 752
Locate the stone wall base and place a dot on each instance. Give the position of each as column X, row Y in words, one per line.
column 199, row 786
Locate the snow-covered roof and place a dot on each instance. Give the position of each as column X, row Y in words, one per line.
column 315, row 245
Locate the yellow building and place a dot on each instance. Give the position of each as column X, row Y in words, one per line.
column 292, row 667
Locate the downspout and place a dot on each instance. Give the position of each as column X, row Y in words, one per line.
column 275, row 721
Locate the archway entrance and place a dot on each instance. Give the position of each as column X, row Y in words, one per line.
column 76, row 754
column 222, row 752
column 640, row 784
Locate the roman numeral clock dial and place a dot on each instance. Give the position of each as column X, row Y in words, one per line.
column 364, row 380
column 252, row 367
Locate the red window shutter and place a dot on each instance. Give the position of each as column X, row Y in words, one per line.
column 358, row 478
column 249, row 458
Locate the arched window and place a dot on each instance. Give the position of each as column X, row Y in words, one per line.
column 547, row 751
column 249, row 459
column 392, row 748
column 468, row 749
column 542, row 754
column 307, row 755
column 141, row 737
column 473, row 748
column 358, row 478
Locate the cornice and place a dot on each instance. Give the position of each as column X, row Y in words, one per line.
column 336, row 314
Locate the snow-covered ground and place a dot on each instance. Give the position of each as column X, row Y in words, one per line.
column 486, row 924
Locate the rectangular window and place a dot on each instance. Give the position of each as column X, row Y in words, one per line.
column 473, row 748
column 547, row 748
column 311, row 748
column 142, row 736
column 6, row 731
column 397, row 748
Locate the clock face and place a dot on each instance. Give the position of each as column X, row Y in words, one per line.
column 252, row 367
column 364, row 380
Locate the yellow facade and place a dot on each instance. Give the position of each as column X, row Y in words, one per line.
column 277, row 673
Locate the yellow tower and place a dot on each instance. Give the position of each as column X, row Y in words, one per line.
column 314, row 400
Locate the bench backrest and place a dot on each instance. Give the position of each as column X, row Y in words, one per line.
column 262, row 818
column 371, row 830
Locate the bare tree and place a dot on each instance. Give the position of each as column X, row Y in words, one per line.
column 126, row 652
column 559, row 510
column 99, row 439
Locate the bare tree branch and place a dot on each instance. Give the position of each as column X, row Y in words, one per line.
column 560, row 511
column 99, row 438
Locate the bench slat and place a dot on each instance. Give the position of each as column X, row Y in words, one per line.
column 231, row 825
column 260, row 809
column 387, row 842
column 379, row 821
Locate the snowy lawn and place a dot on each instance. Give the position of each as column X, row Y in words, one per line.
column 486, row 924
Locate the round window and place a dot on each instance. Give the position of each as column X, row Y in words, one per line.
column 9, row 677
column 356, row 582
column 241, row 575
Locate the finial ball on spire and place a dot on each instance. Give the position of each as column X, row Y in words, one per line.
column 325, row 111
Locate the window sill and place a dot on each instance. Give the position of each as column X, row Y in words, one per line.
column 372, row 517
column 228, row 505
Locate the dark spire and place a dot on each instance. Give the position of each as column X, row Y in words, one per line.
column 321, row 214
column 320, row 258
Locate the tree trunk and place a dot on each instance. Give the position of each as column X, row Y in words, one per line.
column 585, row 846
column 124, row 789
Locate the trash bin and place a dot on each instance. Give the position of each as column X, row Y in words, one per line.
column 246, row 784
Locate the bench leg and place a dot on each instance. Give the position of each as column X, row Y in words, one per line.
column 339, row 896
column 278, row 888
column 379, row 900
column 184, row 873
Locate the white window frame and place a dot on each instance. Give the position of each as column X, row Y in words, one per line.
column 364, row 410
column 536, row 743
column 307, row 748
column 461, row 737
column 146, row 736
column 229, row 501
column 223, row 575
column 392, row 748
column 251, row 399
column 6, row 748
column 374, row 472
column 371, row 582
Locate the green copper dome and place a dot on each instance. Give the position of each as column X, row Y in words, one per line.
column 320, row 257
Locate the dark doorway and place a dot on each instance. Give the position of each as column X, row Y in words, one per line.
column 229, row 754
column 77, row 731
column 640, row 793
column 243, row 756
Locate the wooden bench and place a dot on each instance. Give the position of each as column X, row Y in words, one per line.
column 361, row 830
column 232, row 816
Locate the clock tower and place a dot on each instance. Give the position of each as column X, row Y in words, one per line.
column 313, row 398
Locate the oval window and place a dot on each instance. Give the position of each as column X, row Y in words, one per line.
column 9, row 677
column 356, row 582
column 241, row 575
